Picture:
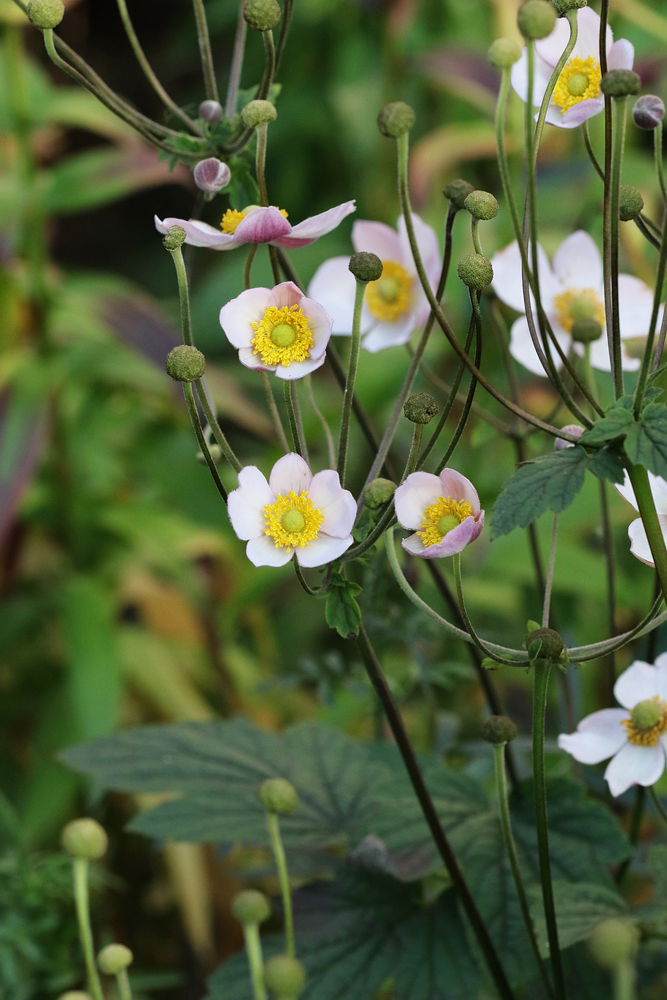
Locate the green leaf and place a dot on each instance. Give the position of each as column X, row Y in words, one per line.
column 579, row 908
column 646, row 442
column 549, row 483
column 242, row 188
column 607, row 463
column 613, row 425
column 342, row 611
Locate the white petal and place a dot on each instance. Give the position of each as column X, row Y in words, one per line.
column 639, row 546
column 519, row 77
column 640, row 682
column 427, row 244
column 377, row 238
column 621, row 55
column 290, row 474
column 337, row 505
column 634, row 765
column 237, row 316
column 263, row 551
column 507, row 283
column 577, row 262
column 323, row 549
column 317, row 225
column 588, row 34
column 626, row 490
column 577, row 114
column 245, row 504
column 297, row 369
column 197, row 234
column 384, row 334
column 599, row 353
column 320, row 323
column 286, row 295
column 456, row 486
column 334, row 287
column 551, row 48
column 635, row 306
column 249, row 359
column 412, row 497
column 522, row 350
column 598, row 736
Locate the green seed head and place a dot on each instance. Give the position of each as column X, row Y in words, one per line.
column 631, row 202
column 285, row 977
column 552, row 647
column 395, row 119
column 263, row 15
column 620, row 83
column 536, row 19
column 504, row 52
column 258, row 113
column 365, row 266
column 174, row 238
column 481, row 205
column 378, row 493
column 563, row 6
column 84, row 838
column 251, row 907
column 185, row 363
column 277, row 794
column 498, row 729
column 113, row 959
column 475, row 271
column 614, row 942
column 46, row 13
column 457, row 191
column 586, row 330
column 420, row 408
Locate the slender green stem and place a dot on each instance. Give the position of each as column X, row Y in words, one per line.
column 657, row 803
column 81, row 902
column 647, row 358
column 623, row 977
column 205, row 54
column 236, row 66
column 503, row 164
column 610, row 564
column 470, row 395
column 273, row 410
column 247, row 267
column 659, row 166
column 657, row 358
column 413, row 455
column 635, row 826
column 348, row 393
column 269, row 66
column 551, row 565
column 293, row 414
column 123, row 985
column 288, row 8
column 283, row 878
column 320, row 591
column 212, row 421
column 183, row 295
column 201, row 438
column 326, row 430
column 453, row 397
column 646, row 506
column 641, row 223
column 486, row 648
column 591, row 153
column 260, row 162
column 253, row 947
column 385, row 521
column 619, row 108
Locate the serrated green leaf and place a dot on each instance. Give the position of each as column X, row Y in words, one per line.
column 607, row 463
column 342, row 611
column 549, row 483
column 646, row 442
column 613, row 425
column 580, row 906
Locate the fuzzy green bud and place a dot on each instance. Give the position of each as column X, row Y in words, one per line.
column 185, row 363
column 475, row 271
column 545, row 643
column 75, row 995
column 113, row 958
column 503, row 53
column 420, row 408
column 284, row 976
column 631, row 202
column 536, row 19
column 614, row 942
column 395, row 119
column 481, row 205
column 84, row 838
column 46, row 13
column 251, row 907
column 278, row 795
column 648, row 112
column 498, row 729
column 586, row 330
column 258, row 113
column 365, row 266
column 620, row 83
column 457, row 191
column 174, row 238
column 378, row 493
column 263, row 15
column 563, row 6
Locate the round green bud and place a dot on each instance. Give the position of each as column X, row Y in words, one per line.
column 536, row 19
column 113, row 958
column 647, row 714
column 648, row 111
column 251, row 907
column 378, row 493
column 46, row 13
column 258, row 113
column 631, row 202
column 498, row 729
column 621, row 83
column 481, row 205
column 185, row 363
column 174, row 238
column 563, row 6
column 395, row 119
column 84, row 838
column 263, row 15
column 586, row 330
column 457, row 191
column 365, row 266
column 552, row 646
column 614, row 942
column 278, row 795
column 504, row 52
column 284, row 976
column 475, row 271
column 420, row 408
column 75, row 995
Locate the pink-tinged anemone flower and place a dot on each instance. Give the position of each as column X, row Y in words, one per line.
column 635, row 736
column 394, row 305
column 577, row 95
column 294, row 512
column 277, row 330
column 573, row 289
column 258, row 225
column 443, row 509
column 639, row 545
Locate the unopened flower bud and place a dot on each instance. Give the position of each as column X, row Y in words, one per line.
column 185, row 363
column 475, row 271
column 614, row 942
column 365, row 266
column 586, row 330
column 575, row 430
column 545, row 643
column 113, row 958
column 395, row 119
column 504, row 52
column 378, row 493
column 284, row 976
column 84, row 838
column 498, row 729
column 620, row 83
column 278, row 795
column 420, row 408
column 214, row 450
column 631, row 202
column 251, row 907
column 258, row 113
column 563, row 6
column 648, row 111
column 210, row 111
column 46, row 13
column 263, row 15
column 174, row 238
column 536, row 19
column 481, row 205
column 457, row 191
column 211, row 175
column 75, row 995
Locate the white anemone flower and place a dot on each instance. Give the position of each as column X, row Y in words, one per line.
column 639, row 545
column 577, row 95
column 573, row 289
column 395, row 305
column 635, row 736
column 443, row 509
column 294, row 512
column 278, row 330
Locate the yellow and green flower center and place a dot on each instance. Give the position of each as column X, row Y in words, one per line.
column 282, row 336
column 292, row 521
column 647, row 722
column 576, row 304
column 232, row 219
column 440, row 517
column 391, row 295
column 579, row 81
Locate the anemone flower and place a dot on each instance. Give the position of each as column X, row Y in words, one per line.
column 635, row 736
column 573, row 290
column 294, row 512
column 444, row 509
column 258, row 225
column 277, row 330
column 394, row 305
column 636, row 531
column 577, row 95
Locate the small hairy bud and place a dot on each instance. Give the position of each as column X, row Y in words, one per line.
column 613, row 942
column 586, row 330
column 563, row 6
column 185, row 363
column 420, row 408
column 621, row 83
column 498, row 729
column 285, row 977
column 113, row 958
column 631, row 202
column 258, row 113
column 481, row 205
column 552, row 646
column 365, row 266
column 278, row 795
column 395, row 119
column 503, row 53
column 174, row 238
column 648, row 111
column 575, row 430
column 46, row 13
column 536, row 19
column 475, row 271
column 210, row 175
column 263, row 15
column 251, row 907
column 378, row 493
column 210, row 111
column 84, row 838
column 457, row 191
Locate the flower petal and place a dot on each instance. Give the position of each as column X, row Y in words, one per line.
column 621, row 55
column 297, row 369
column 384, row 334
column 634, row 765
column 315, row 226
column 507, row 283
column 523, row 351
column 324, row 549
column 249, row 359
column 640, row 682
column 598, row 736
column 456, row 486
column 262, row 225
column 519, row 77
column 197, row 234
column 238, row 315
column 377, row 238
column 577, row 262
column 286, row 295
column 245, row 505
column 334, row 287
column 412, row 497
column 427, row 244
column 263, row 551
column 635, row 306
column 320, row 323
column 454, row 541
column 290, row 474
column 639, row 545
column 337, row 505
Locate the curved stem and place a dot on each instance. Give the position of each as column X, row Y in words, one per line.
column 183, row 295
column 212, row 421
column 253, row 947
column 283, row 878
column 551, row 565
column 205, row 53
column 647, row 358
column 486, row 649
column 618, row 141
column 260, row 162
column 326, row 430
column 123, row 985
column 294, row 416
column 80, row 873
column 470, row 395
column 201, row 438
column 348, row 393
column 236, row 64
column 659, row 167
column 273, row 410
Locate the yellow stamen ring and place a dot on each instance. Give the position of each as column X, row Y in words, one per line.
column 390, row 296
column 441, row 517
column 647, row 722
column 292, row 521
column 577, row 304
column 579, row 81
column 282, row 336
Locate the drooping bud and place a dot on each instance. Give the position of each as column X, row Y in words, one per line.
column 457, row 191
column 536, row 19
column 46, row 13
column 631, row 202
column 211, row 175
column 545, row 643
column 258, row 113
column 285, row 977
column 575, row 430
column 174, row 238
column 475, row 271
column 278, row 795
column 378, row 493
column 113, row 958
column 263, row 15
column 395, row 119
column 210, row 111
column 481, row 205
column 185, row 363
column 614, row 942
column 498, row 729
column 365, row 266
column 620, row 83
column 503, row 53
column 251, row 907
column 84, row 838
column 420, row 408
column 586, row 330
column 648, row 112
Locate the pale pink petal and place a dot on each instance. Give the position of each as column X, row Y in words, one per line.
column 297, row 369
column 456, row 486
column 507, row 283
column 317, row 225
column 290, row 474
column 626, row 490
column 634, row 765
column 577, row 262
column 263, row 551
column 523, row 351
column 581, row 112
column 262, row 225
column 385, row 334
column 551, row 48
column 320, row 324
column 621, row 55
column 588, row 34
column 334, row 287
column 519, row 77
column 427, row 244
column 414, row 545
column 286, row 295
column 249, row 359
column 237, row 316
column 245, row 505
column 454, row 541
column 659, row 492
column 640, row 682
column 323, row 549
column 635, row 301
column 377, row 238
column 598, row 736
column 197, row 234
column 337, row 505
column 639, row 545
column 598, row 353
column 419, row 491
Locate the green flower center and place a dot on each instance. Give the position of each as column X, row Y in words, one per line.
column 578, row 84
column 293, row 521
column 283, row 335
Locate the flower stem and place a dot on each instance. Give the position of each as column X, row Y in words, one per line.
column 283, row 878
column 273, row 410
column 623, row 977
column 659, row 168
column 80, row 873
column 183, row 295
column 201, row 438
column 253, row 947
column 212, row 422
column 657, row 803
column 487, row 650
column 551, row 565
column 646, row 505
column 205, row 53
column 123, row 985
column 647, row 358
column 619, row 109
column 294, row 416
column 348, row 393
column 236, row 64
